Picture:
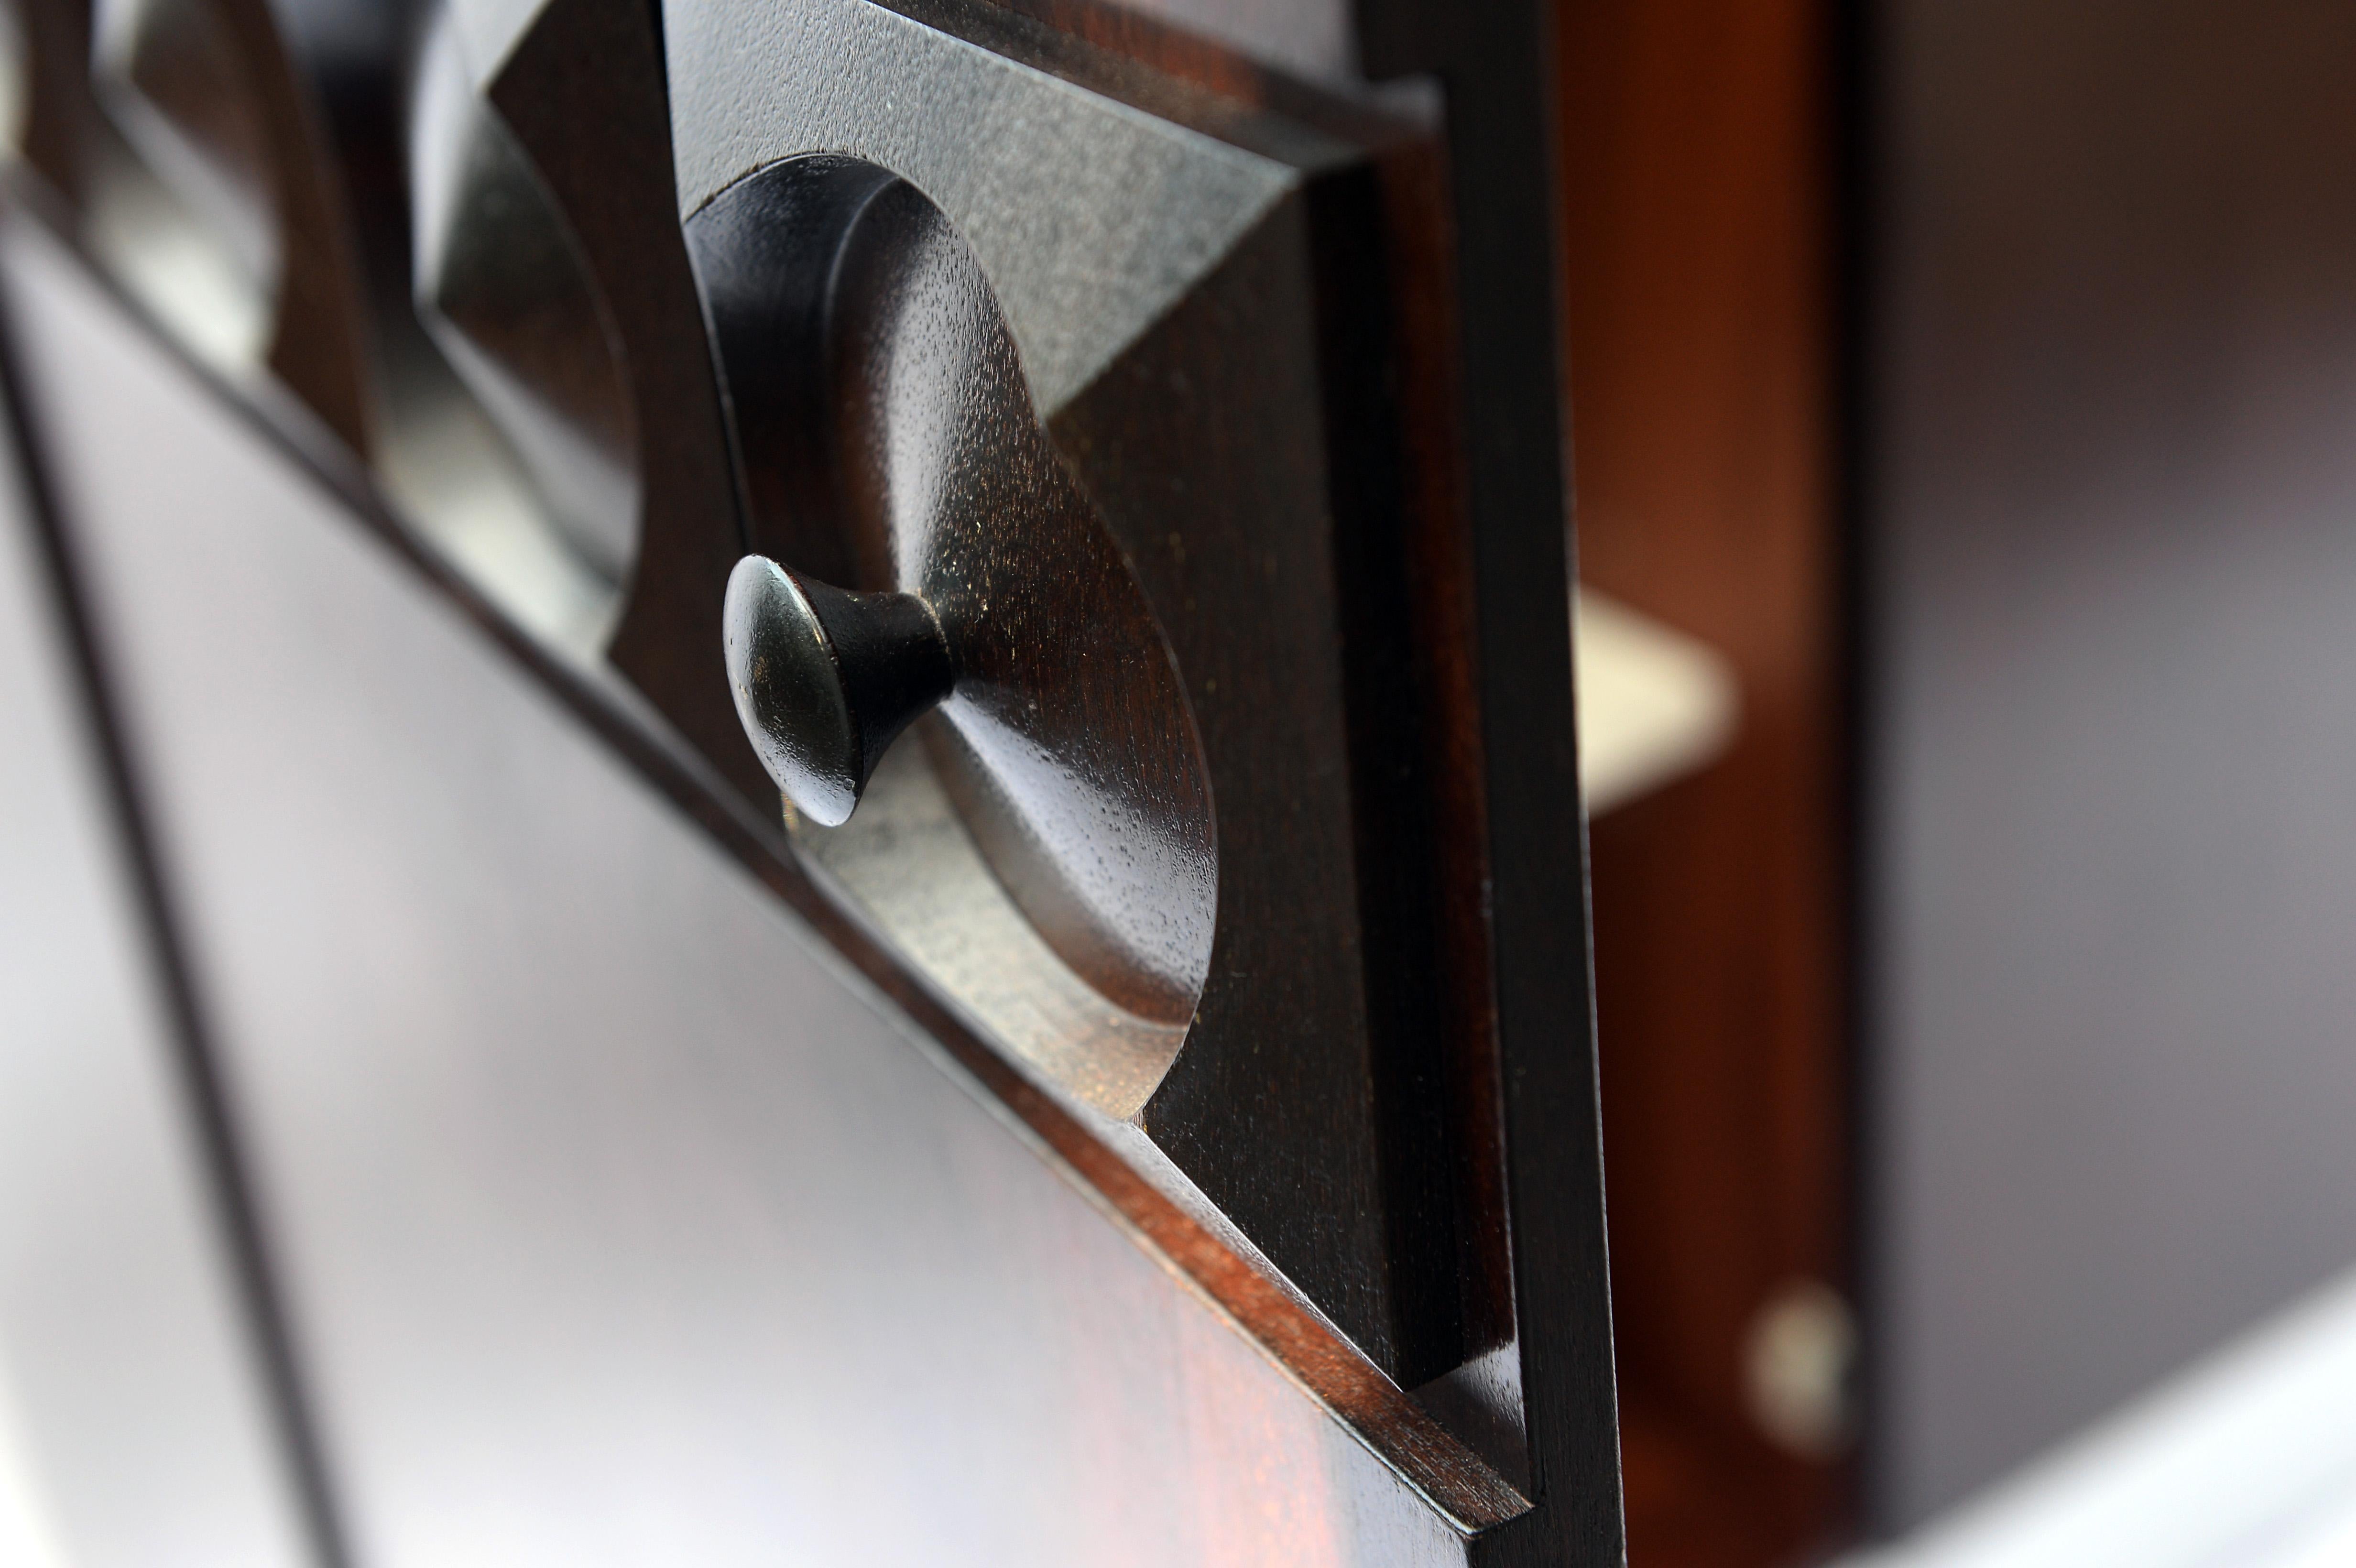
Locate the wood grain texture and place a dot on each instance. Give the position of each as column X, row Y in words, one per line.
column 1384, row 243
column 586, row 95
column 1496, row 66
column 1695, row 188
column 1272, row 1105
column 1393, row 1482
column 884, row 424
column 1403, row 1103
column 1255, row 459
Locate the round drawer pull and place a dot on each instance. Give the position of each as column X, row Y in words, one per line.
column 826, row 679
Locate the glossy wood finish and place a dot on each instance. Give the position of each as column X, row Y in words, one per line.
column 1215, row 374
column 1697, row 269
column 1495, row 65
column 1290, row 397
column 583, row 90
column 1313, row 1030
column 888, row 440
column 729, row 1234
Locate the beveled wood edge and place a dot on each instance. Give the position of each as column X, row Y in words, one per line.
column 1468, row 1494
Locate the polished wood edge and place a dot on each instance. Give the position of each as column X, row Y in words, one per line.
column 1462, row 1490
column 1494, row 61
column 1418, row 217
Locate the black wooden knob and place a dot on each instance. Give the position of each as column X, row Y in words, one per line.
column 826, row 679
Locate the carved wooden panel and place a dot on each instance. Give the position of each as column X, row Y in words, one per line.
column 1137, row 429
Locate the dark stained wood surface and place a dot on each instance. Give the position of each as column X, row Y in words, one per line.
column 849, row 1210
column 1275, row 1097
column 1384, row 257
column 882, row 417
column 1495, row 65
column 318, row 340
column 1252, row 456
column 60, row 113
column 1697, row 263
column 326, row 129
column 330, row 132
column 584, row 94
column 1336, row 466
column 1453, row 1488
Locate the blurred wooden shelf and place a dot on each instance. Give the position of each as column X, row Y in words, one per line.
column 1654, row 704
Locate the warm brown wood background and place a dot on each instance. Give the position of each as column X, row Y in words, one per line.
column 1696, row 163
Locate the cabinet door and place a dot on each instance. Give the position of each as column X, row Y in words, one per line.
column 1148, row 1116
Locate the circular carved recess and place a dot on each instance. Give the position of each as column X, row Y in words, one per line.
column 190, row 222
column 169, row 75
column 503, row 287
column 888, row 440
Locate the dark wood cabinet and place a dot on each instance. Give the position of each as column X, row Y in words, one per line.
column 1159, row 1123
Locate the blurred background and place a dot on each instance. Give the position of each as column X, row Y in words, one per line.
column 1978, row 382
